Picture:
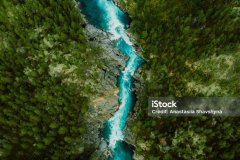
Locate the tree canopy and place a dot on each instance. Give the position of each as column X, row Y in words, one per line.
column 45, row 62
column 192, row 49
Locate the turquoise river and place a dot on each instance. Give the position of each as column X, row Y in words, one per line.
column 105, row 15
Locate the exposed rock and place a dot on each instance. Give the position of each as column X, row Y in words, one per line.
column 105, row 103
column 102, row 39
column 102, row 153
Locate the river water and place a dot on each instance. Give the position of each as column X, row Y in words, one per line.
column 105, row 15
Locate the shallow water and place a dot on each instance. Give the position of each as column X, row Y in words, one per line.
column 104, row 14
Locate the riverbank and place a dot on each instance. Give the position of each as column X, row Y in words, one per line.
column 115, row 63
column 105, row 102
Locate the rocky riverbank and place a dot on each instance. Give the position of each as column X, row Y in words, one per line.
column 105, row 102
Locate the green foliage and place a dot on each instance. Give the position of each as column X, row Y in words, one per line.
column 45, row 61
column 191, row 49
column 176, row 34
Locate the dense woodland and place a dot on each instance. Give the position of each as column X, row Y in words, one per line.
column 44, row 64
column 192, row 49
